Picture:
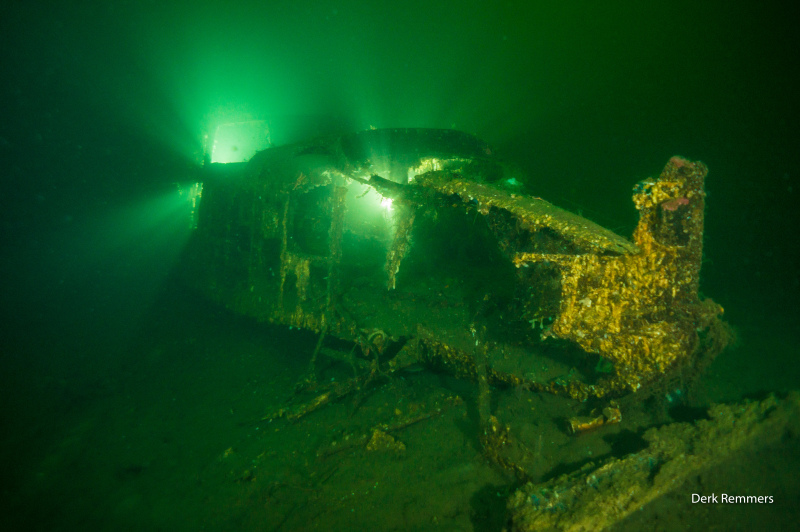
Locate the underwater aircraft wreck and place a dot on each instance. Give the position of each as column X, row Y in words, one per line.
column 420, row 247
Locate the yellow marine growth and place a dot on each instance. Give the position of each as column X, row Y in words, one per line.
column 642, row 311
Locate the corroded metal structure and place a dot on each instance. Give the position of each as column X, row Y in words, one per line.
column 419, row 246
column 600, row 495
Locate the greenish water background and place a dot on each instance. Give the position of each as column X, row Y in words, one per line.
column 104, row 106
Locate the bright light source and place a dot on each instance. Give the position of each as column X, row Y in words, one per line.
column 237, row 142
column 369, row 213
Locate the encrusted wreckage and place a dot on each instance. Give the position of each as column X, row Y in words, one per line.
column 599, row 495
column 419, row 246
column 404, row 248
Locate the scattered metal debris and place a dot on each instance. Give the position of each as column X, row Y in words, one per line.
column 600, row 495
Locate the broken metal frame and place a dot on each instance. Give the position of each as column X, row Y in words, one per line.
column 270, row 244
column 290, row 238
column 600, row 495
